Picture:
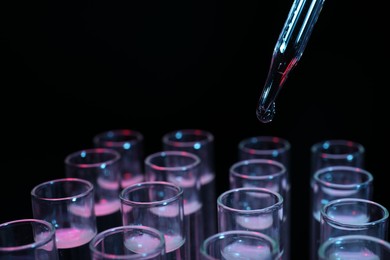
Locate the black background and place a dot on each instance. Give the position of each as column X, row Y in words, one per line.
column 72, row 69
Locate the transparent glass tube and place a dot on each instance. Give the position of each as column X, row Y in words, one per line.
column 332, row 183
column 28, row 239
column 355, row 247
column 260, row 173
column 336, row 152
column 276, row 149
column 68, row 204
column 201, row 143
column 353, row 216
column 267, row 147
column 252, row 209
column 263, row 173
column 183, row 169
column 159, row 205
column 129, row 143
column 100, row 166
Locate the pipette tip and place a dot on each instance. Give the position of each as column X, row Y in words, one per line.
column 266, row 115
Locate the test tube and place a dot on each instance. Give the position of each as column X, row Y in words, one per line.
column 201, row 143
column 331, row 183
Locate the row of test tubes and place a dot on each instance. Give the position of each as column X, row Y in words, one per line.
column 112, row 193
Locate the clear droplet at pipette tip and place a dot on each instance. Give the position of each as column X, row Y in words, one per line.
column 265, row 115
column 266, row 110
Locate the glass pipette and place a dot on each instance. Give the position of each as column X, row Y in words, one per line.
column 287, row 52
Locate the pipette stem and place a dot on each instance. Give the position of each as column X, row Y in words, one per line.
column 288, row 50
